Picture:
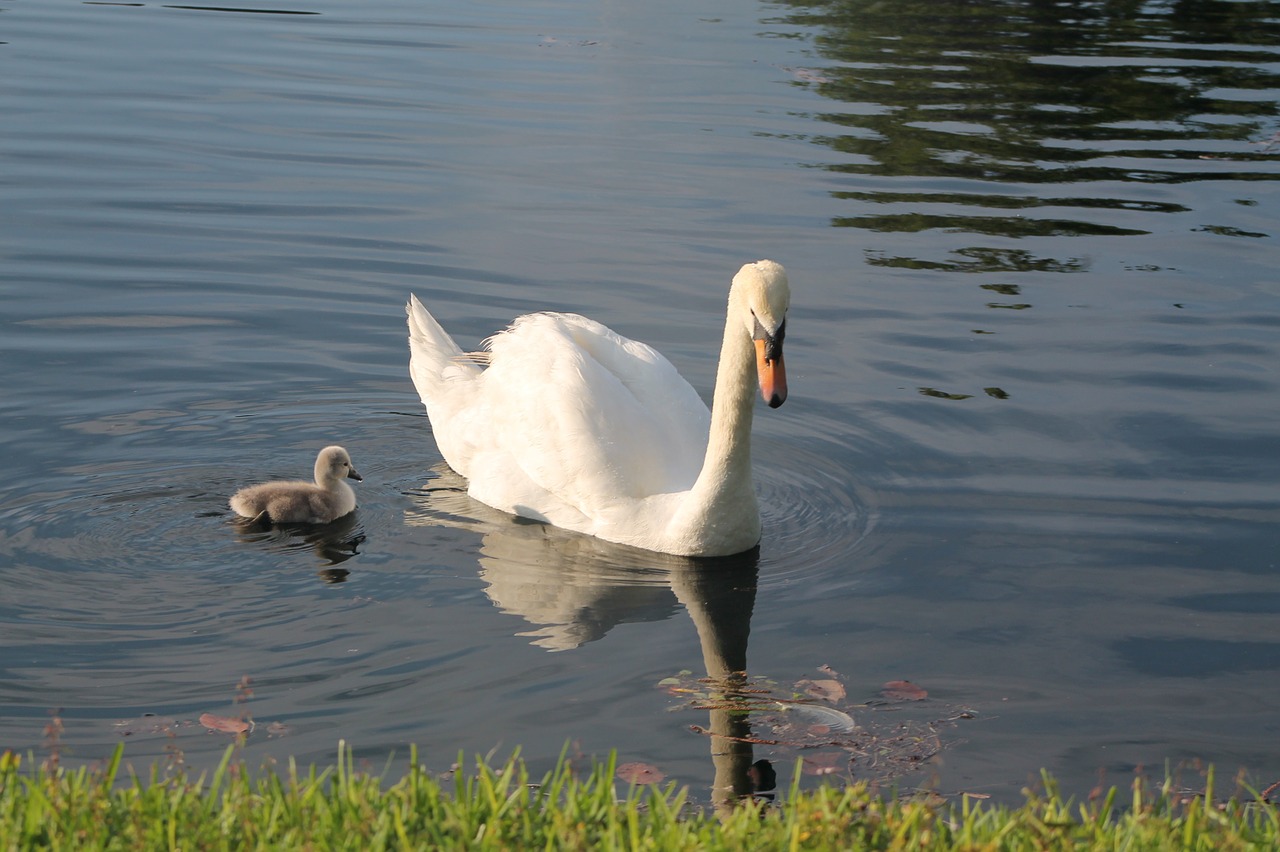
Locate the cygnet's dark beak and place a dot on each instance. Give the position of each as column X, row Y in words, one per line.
column 353, row 475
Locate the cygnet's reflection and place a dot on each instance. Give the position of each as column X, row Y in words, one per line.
column 333, row 543
column 573, row 589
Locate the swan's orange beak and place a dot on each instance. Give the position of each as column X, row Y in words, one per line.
column 773, row 376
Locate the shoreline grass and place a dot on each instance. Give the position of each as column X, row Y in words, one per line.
column 46, row 806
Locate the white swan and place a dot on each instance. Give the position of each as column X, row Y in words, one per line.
column 567, row 422
column 328, row 499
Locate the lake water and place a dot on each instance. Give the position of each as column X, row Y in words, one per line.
column 1029, row 461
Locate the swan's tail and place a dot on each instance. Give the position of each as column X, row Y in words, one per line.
column 435, row 359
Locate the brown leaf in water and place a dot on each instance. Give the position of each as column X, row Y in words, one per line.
column 223, row 724
column 640, row 773
column 826, row 690
column 903, row 690
column 824, row 763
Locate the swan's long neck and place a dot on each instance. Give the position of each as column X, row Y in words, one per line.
column 722, row 501
column 728, row 459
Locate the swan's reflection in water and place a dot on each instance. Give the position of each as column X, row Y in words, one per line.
column 719, row 596
column 573, row 589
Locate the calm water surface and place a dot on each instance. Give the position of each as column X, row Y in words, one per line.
column 1029, row 462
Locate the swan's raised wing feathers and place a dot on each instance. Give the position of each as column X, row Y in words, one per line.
column 588, row 416
column 567, row 418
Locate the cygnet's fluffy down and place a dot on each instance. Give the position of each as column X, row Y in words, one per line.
column 328, row 499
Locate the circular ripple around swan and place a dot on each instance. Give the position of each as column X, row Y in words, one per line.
column 813, row 510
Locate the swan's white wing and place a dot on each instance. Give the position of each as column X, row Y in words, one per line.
column 572, row 417
column 569, row 422
column 446, row 381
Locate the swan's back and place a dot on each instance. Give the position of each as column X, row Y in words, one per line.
column 613, row 407
column 569, row 422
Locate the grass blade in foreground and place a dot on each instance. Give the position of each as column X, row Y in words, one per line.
column 501, row 808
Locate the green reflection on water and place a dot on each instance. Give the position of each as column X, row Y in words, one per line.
column 969, row 106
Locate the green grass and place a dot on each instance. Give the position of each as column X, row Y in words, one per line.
column 50, row 807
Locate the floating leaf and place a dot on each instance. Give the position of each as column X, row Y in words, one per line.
column 827, row 690
column 903, row 690
column 1003, row 289
column 224, row 724
column 824, row 763
column 937, row 394
column 640, row 773
column 815, row 715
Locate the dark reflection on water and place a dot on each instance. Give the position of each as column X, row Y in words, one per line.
column 332, row 543
column 984, row 260
column 239, row 9
column 1041, row 107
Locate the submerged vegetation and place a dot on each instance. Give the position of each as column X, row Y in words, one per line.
column 50, row 806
